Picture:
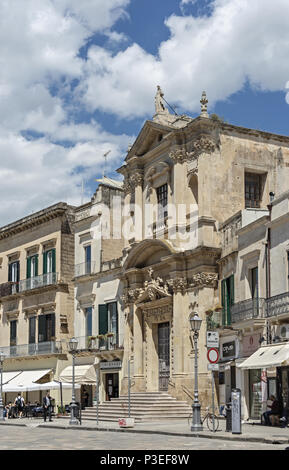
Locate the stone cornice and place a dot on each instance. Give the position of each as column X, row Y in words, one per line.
column 33, row 220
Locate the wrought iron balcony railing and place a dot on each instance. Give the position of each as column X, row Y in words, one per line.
column 38, row 281
column 11, row 288
column 278, row 305
column 248, row 309
column 84, row 269
column 33, row 349
column 105, row 343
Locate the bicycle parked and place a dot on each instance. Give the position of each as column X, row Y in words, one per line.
column 209, row 419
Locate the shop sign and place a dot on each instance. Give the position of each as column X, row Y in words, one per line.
column 229, row 349
column 250, row 344
column 110, row 365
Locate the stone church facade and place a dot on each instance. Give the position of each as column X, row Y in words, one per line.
column 210, row 170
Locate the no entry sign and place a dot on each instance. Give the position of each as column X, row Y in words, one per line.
column 213, row 355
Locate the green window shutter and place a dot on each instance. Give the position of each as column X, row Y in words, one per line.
column 102, row 319
column 45, row 262
column 232, row 290
column 36, row 265
column 53, row 260
column 28, row 268
column 223, row 287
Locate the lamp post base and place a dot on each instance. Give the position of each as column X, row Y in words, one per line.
column 73, row 420
column 196, row 424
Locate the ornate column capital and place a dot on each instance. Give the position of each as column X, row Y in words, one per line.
column 204, row 279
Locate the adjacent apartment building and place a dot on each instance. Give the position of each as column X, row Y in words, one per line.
column 36, row 296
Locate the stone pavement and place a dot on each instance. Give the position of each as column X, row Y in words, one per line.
column 250, row 432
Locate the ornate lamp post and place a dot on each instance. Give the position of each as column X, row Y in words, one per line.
column 195, row 323
column 1, row 386
column 72, row 349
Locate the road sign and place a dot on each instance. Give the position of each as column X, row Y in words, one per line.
column 213, row 367
column 213, row 355
column 212, row 339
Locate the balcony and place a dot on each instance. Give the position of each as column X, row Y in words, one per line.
column 33, row 349
column 85, row 269
column 278, row 305
column 111, row 347
column 37, row 282
column 248, row 310
column 12, row 288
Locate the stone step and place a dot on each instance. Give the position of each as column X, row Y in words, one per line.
column 144, row 407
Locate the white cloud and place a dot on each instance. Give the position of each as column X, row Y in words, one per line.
column 240, row 40
column 39, row 58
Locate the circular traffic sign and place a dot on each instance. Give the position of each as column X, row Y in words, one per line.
column 213, row 355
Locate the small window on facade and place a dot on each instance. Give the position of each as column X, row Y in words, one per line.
column 13, row 333
column 162, row 197
column 252, row 190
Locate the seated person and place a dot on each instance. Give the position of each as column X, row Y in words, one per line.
column 8, row 410
column 275, row 410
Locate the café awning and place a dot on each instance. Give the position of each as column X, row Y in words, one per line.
column 276, row 355
column 8, row 376
column 24, row 380
column 83, row 374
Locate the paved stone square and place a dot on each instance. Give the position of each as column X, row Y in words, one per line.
column 32, row 437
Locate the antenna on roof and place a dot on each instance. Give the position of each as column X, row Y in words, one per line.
column 82, row 190
column 105, row 161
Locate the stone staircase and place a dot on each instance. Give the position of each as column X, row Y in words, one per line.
column 145, row 407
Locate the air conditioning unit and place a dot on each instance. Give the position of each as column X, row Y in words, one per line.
column 284, row 332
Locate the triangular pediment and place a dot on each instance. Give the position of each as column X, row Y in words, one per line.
column 150, row 136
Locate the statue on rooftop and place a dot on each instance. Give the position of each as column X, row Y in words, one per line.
column 159, row 105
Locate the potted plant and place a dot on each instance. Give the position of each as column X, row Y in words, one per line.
column 101, row 341
column 90, row 339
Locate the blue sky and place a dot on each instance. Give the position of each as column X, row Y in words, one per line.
column 79, row 78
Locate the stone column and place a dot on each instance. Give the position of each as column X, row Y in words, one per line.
column 179, row 335
column 127, row 349
column 139, row 385
column 137, row 182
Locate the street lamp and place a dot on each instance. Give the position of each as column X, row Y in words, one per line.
column 195, row 323
column 1, row 386
column 73, row 349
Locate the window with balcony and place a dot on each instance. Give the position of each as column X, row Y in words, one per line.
column 162, row 198
column 87, row 259
column 13, row 337
column 227, row 299
column 88, row 321
column 46, row 328
column 108, row 324
column 49, row 261
column 31, row 271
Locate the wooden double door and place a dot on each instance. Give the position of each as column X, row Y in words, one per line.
column 164, row 355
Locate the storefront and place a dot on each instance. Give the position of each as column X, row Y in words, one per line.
column 268, row 374
column 109, row 379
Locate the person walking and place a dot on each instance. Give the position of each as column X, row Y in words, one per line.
column 47, row 406
column 19, row 403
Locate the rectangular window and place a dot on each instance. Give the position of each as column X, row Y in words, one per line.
column 87, row 257
column 88, row 321
column 254, row 283
column 162, row 198
column 49, row 261
column 46, row 328
column 14, row 272
column 13, row 333
column 32, row 330
column 252, row 190
column 32, row 267
column 227, row 299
